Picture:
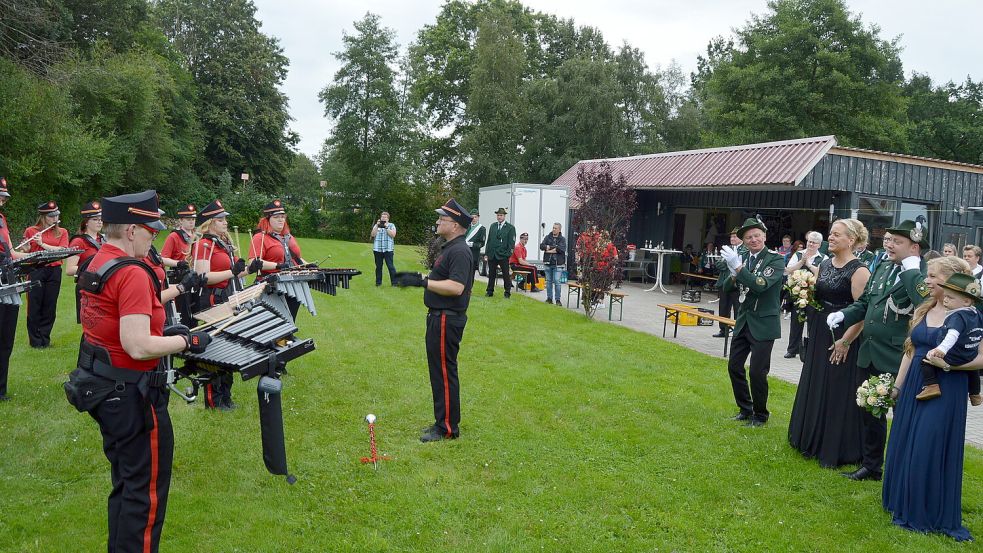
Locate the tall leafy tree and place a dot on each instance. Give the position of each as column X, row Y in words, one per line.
column 945, row 121
column 237, row 71
column 805, row 68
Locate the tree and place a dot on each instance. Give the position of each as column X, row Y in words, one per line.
column 237, row 71
column 945, row 121
column 495, row 113
column 806, row 68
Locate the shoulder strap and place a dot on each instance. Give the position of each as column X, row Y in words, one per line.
column 93, row 281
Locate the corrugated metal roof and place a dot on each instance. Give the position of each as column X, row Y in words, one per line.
column 771, row 163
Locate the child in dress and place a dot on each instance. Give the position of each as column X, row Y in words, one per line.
column 961, row 333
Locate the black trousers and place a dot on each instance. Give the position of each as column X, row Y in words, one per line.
column 379, row 258
column 476, row 258
column 138, row 440
column 444, row 333
column 8, row 330
column 494, row 266
column 534, row 278
column 795, row 331
column 874, row 434
column 218, row 390
column 42, row 304
column 752, row 402
column 727, row 307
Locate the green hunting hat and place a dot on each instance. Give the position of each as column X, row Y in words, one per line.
column 914, row 231
column 735, row 230
column 501, row 211
column 751, row 223
column 964, row 284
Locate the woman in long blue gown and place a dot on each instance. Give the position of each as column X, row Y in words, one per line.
column 923, row 470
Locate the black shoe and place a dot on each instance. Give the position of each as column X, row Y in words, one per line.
column 508, row 295
column 789, row 355
column 489, row 294
column 227, row 406
column 536, row 290
column 4, row 398
column 433, row 434
column 560, row 303
column 740, row 417
column 720, row 335
column 862, row 473
column 755, row 423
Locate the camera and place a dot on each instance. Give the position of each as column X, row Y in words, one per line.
column 382, row 224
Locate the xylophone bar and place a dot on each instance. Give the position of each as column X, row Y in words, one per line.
column 10, row 294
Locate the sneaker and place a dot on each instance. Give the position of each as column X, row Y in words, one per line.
column 931, row 391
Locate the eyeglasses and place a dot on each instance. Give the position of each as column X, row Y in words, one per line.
column 153, row 232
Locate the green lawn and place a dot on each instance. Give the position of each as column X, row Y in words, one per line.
column 576, row 436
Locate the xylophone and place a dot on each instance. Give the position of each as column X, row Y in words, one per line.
column 34, row 260
column 11, row 273
column 10, row 293
column 297, row 283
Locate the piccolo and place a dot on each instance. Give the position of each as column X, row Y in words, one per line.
column 36, row 234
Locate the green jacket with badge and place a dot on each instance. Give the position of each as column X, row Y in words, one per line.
column 886, row 308
column 762, row 290
column 501, row 241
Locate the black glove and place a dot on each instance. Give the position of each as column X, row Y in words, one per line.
column 182, row 266
column 193, row 281
column 198, row 341
column 403, row 279
column 282, row 266
column 255, row 266
column 311, row 266
column 178, row 330
column 239, row 267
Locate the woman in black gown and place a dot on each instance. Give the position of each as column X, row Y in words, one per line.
column 826, row 422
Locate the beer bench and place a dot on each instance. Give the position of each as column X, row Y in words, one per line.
column 676, row 309
column 526, row 275
column 614, row 297
column 690, row 276
column 571, row 288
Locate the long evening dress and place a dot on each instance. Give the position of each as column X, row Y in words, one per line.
column 923, row 469
column 825, row 422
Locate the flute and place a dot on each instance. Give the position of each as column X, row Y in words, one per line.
column 36, row 234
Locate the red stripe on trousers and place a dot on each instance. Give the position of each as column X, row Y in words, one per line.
column 209, row 400
column 443, row 369
column 154, row 454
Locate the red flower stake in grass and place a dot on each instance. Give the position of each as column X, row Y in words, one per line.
column 374, row 458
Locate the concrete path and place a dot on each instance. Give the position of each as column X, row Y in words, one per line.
column 641, row 312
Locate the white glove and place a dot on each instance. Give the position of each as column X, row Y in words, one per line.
column 911, row 262
column 834, row 319
column 731, row 256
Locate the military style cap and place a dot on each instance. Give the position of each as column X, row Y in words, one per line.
column 49, row 208
column 964, row 284
column 187, row 211
column 274, row 208
column 455, row 211
column 751, row 223
column 211, row 211
column 914, row 231
column 3, row 187
column 133, row 209
column 501, row 211
column 91, row 210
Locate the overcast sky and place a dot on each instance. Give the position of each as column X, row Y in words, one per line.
column 940, row 38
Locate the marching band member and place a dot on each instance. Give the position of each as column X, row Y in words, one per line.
column 89, row 240
column 8, row 313
column 215, row 257
column 177, row 247
column 268, row 248
column 42, row 300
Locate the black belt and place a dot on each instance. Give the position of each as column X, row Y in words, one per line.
column 446, row 312
column 157, row 379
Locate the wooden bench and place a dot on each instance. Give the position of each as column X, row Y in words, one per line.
column 616, row 297
column 525, row 278
column 571, row 288
column 680, row 308
column 690, row 276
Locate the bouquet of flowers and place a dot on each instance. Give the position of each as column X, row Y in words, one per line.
column 874, row 394
column 801, row 287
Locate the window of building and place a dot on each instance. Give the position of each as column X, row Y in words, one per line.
column 877, row 214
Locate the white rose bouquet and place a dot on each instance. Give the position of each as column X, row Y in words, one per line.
column 801, row 287
column 874, row 394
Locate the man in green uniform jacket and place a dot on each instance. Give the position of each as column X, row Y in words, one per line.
column 757, row 276
column 501, row 242
column 893, row 292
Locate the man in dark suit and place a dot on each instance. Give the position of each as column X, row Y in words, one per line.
column 893, row 292
column 757, row 275
column 475, row 238
column 501, row 242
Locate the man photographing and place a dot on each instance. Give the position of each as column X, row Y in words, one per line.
column 383, row 247
column 447, row 292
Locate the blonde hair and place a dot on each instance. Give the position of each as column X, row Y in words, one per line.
column 224, row 237
column 40, row 225
column 946, row 267
column 855, row 230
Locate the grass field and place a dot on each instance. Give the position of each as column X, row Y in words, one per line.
column 575, row 436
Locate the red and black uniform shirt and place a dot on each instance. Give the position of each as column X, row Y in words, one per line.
column 270, row 247
column 49, row 238
column 177, row 246
column 5, row 245
column 87, row 244
column 127, row 292
column 210, row 248
column 154, row 261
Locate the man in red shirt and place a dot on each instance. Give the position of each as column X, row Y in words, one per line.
column 123, row 340
column 518, row 261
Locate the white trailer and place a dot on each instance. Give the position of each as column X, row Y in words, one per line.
column 532, row 208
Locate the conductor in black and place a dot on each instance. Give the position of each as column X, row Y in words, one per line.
column 447, row 292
